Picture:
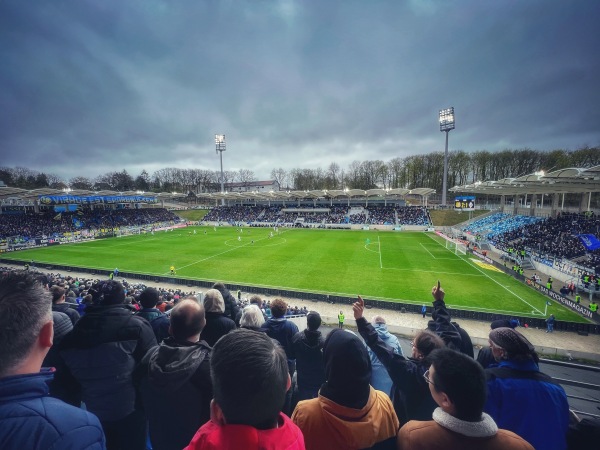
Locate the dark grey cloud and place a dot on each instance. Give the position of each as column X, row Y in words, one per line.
column 90, row 87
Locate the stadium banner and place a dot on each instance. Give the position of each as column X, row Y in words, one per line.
column 465, row 203
column 94, row 199
column 589, row 241
column 564, row 301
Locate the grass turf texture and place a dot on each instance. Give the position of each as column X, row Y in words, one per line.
column 394, row 266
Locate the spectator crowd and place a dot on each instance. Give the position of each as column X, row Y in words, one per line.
column 52, row 224
column 174, row 369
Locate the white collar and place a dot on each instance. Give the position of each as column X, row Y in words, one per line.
column 483, row 428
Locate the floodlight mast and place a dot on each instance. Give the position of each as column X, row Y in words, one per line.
column 220, row 148
column 446, row 124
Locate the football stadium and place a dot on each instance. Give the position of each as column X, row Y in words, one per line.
column 292, row 225
column 390, row 253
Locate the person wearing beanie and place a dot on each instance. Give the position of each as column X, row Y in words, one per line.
column 485, row 356
column 520, row 397
column 217, row 324
column 308, row 348
column 102, row 353
column 348, row 413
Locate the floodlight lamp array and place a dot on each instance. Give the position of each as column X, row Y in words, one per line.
column 447, row 119
column 220, row 142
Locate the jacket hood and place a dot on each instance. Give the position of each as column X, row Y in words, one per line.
column 213, row 301
column 354, row 427
column 172, row 363
column 275, row 324
column 312, row 338
column 382, row 330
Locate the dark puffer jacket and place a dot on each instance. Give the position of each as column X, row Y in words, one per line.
column 102, row 352
column 176, row 391
column 308, row 350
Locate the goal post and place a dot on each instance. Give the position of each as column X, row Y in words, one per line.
column 458, row 248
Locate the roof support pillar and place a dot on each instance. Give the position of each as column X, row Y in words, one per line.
column 584, row 204
column 554, row 210
column 533, row 204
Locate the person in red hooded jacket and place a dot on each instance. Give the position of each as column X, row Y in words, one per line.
column 250, row 378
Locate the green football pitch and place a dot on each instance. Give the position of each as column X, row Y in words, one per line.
column 393, row 266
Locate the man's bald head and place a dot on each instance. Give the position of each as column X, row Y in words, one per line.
column 187, row 319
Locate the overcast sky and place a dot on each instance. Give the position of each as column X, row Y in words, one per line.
column 88, row 87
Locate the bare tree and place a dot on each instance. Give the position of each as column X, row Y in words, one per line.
column 80, row 183
column 245, row 176
column 333, row 172
column 281, row 176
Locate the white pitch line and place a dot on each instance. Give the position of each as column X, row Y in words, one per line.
column 486, row 275
column 214, row 256
column 380, row 261
column 435, row 271
column 425, row 248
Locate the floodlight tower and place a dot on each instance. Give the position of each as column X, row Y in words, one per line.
column 446, row 124
column 220, row 147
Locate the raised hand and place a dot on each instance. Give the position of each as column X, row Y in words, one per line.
column 437, row 292
column 358, row 308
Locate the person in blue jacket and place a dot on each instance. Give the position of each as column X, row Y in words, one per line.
column 29, row 418
column 520, row 397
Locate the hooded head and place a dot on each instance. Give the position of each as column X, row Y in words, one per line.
column 347, row 369
column 313, row 321
column 213, row 301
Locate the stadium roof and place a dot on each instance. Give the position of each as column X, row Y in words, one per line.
column 315, row 194
column 24, row 194
column 570, row 180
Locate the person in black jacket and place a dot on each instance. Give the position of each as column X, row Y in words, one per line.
column 232, row 309
column 59, row 305
column 308, row 349
column 175, row 379
column 101, row 353
column 410, row 392
column 442, row 325
column 217, row 324
column 158, row 320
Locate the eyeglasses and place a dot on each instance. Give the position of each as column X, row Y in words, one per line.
column 426, row 376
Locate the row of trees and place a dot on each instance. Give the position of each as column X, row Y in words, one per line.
column 410, row 172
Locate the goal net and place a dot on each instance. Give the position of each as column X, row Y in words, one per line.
column 451, row 245
column 456, row 247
